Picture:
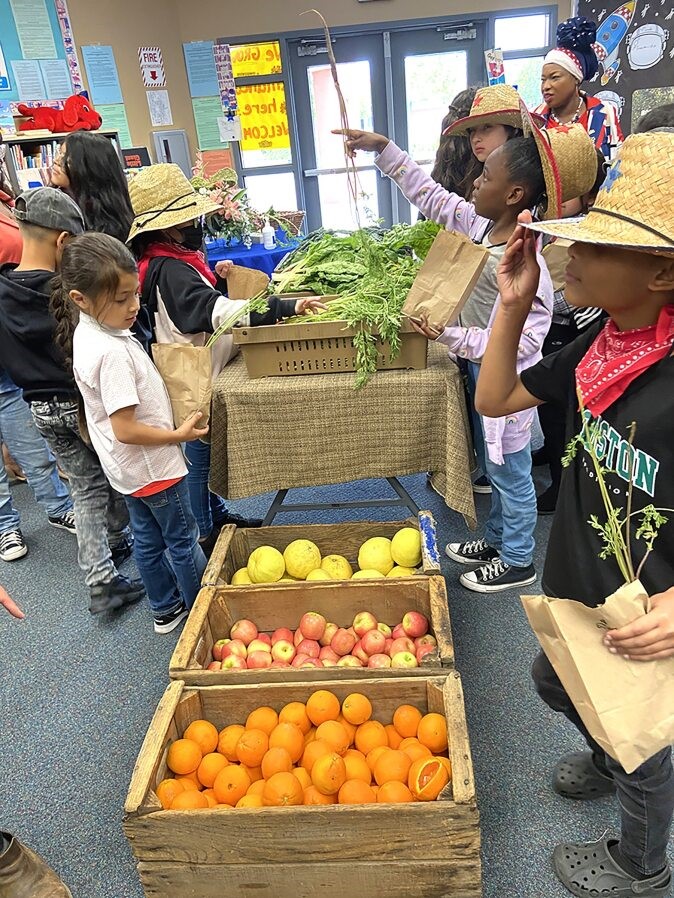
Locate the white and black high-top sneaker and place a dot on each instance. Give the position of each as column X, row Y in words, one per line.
column 497, row 576
column 12, row 545
column 475, row 551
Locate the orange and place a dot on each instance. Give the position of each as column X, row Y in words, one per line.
column 254, row 773
column 447, row 764
column 210, row 767
column 375, row 789
column 356, row 792
column 288, row 736
column 415, row 749
column 228, row 739
column 393, row 736
column 329, row 773
column 357, row 708
column 310, row 736
column 264, row 719
column 303, row 776
column 256, row 787
column 184, row 756
column 349, row 727
column 167, row 791
column 394, row 793
column 313, row 797
column 373, row 756
column 188, row 801
column 369, row 735
column 295, row 712
column 209, row 795
column 250, row 801
column 322, row 705
column 427, row 778
column 334, row 734
column 313, row 752
column 277, row 760
column 231, row 784
column 406, row 720
column 392, row 765
column 282, row 790
column 190, row 782
column 357, row 767
column 204, row 734
column 252, row 747
column 432, row 732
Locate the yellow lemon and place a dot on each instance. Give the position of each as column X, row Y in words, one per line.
column 406, row 547
column 301, row 557
column 266, row 565
column 241, row 577
column 337, row 566
column 375, row 554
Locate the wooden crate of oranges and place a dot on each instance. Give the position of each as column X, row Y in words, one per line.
column 217, row 611
column 235, row 546
column 296, row 790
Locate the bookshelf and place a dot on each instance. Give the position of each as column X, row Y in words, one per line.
column 30, row 153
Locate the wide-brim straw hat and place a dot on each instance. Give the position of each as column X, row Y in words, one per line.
column 499, row 104
column 634, row 207
column 162, row 197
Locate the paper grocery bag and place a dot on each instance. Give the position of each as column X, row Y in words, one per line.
column 556, row 255
column 627, row 706
column 446, row 279
column 187, row 373
column 245, row 283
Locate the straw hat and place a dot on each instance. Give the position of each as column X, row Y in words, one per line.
column 499, row 104
column 634, row 207
column 162, row 197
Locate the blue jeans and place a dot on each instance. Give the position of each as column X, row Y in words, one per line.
column 164, row 522
column 209, row 509
column 18, row 432
column 473, row 370
column 512, row 519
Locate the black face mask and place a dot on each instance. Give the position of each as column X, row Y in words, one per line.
column 193, row 236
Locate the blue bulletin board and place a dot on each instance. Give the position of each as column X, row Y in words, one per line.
column 11, row 46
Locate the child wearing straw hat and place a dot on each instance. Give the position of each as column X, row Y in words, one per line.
column 622, row 260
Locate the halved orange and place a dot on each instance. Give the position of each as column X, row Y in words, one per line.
column 427, row 778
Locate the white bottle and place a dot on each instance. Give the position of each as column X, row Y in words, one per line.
column 268, row 236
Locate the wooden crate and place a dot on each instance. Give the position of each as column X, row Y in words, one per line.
column 235, row 545
column 429, row 849
column 217, row 608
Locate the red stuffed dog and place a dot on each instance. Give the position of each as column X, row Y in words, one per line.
column 78, row 114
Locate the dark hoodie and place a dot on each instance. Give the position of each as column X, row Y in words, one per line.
column 27, row 349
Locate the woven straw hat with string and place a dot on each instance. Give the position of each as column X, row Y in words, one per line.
column 499, row 104
column 634, row 207
column 162, row 197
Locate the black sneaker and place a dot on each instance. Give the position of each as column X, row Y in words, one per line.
column 64, row 521
column 12, row 545
column 118, row 593
column 475, row 551
column 238, row 521
column 497, row 576
column 122, row 550
column 546, row 503
column 167, row 622
column 482, row 485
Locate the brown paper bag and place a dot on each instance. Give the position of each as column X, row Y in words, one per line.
column 556, row 257
column 446, row 279
column 186, row 370
column 628, row 706
column 245, row 283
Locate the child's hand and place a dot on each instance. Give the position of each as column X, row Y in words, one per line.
column 223, row 268
column 9, row 604
column 363, row 140
column 309, row 305
column 188, row 430
column 518, row 273
column 649, row 637
column 422, row 326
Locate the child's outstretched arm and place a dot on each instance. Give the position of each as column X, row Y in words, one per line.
column 128, row 429
column 499, row 389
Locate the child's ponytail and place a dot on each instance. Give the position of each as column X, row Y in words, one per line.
column 66, row 315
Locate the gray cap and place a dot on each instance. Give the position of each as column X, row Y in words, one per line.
column 50, row 208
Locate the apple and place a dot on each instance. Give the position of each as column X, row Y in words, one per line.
column 343, row 642
column 264, row 637
column 258, row 660
column 308, row 647
column 233, row 662
column 423, row 650
column 282, row 634
column 277, row 665
column 283, row 651
column 245, row 630
column 328, row 663
column 404, row 659
column 387, row 646
column 312, row 662
column 384, row 628
column 257, row 645
column 215, row 665
column 373, row 642
column 313, row 625
column 349, row 661
column 425, row 640
column 298, row 636
column 402, row 645
column 363, row 622
column 352, row 632
column 359, row 652
column 327, row 654
column 218, row 647
column 379, row 661
column 398, row 631
column 415, row 624
column 234, row 647
column 298, row 660
column 330, row 630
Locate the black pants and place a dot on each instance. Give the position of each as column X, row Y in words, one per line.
column 551, row 415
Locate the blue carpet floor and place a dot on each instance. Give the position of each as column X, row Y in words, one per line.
column 78, row 694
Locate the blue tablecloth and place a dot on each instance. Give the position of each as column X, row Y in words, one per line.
column 256, row 257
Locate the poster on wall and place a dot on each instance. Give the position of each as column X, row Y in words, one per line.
column 151, row 66
column 56, row 77
column 264, row 120
column 160, row 108
column 69, row 45
column 4, row 73
column 200, row 65
column 34, row 29
column 495, row 67
column 635, row 49
column 101, row 67
column 28, row 79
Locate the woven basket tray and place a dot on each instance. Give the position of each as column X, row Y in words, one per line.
column 291, row 221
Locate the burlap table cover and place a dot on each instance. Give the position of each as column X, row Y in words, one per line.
column 284, row 432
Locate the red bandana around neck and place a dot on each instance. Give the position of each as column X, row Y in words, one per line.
column 616, row 358
column 175, row 251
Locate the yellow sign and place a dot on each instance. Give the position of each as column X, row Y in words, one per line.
column 250, row 60
column 264, row 120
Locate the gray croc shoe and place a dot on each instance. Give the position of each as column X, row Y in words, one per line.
column 576, row 776
column 588, row 871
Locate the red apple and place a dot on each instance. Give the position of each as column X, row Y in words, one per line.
column 264, row 637
column 425, row 640
column 257, row 645
column 234, row 647
column 298, row 660
column 312, row 662
column 343, row 642
column 330, row 630
column 387, row 646
column 327, row 654
column 282, row 634
column 352, row 632
column 258, row 660
column 298, row 636
column 245, row 630
column 402, row 645
column 359, row 652
column 215, row 665
column 349, row 661
column 415, row 624
column 283, row 651
column 363, row 622
column 308, row 647
column 277, row 665
column 233, row 662
column 313, row 625
column 398, row 631
column 379, row 661
column 218, row 647
column 373, row 642
column 384, row 628
column 328, row 663
column 404, row 659
column 423, row 650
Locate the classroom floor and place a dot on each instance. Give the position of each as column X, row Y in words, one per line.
column 78, row 694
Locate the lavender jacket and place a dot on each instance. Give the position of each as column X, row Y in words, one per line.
column 502, row 435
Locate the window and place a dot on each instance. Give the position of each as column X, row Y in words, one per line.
column 521, row 32
column 253, row 60
column 276, row 190
column 524, row 73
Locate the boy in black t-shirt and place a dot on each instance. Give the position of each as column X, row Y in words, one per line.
column 623, row 371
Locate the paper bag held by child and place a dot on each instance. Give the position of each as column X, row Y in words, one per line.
column 187, row 373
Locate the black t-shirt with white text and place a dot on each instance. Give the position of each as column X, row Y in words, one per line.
column 573, row 568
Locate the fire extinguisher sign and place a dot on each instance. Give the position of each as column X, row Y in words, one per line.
column 151, row 66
